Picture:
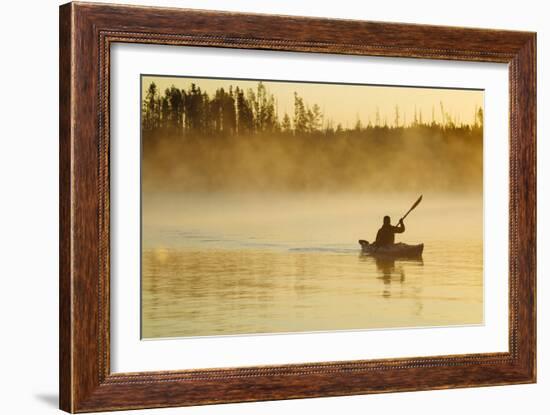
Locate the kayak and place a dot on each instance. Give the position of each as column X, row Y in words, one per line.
column 399, row 250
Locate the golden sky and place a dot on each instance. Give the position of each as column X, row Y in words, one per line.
column 344, row 103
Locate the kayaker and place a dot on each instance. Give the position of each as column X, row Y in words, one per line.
column 386, row 234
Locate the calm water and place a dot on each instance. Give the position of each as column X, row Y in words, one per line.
column 239, row 264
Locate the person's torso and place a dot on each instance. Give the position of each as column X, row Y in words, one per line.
column 385, row 236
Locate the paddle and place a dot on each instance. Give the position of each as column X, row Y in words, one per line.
column 412, row 207
column 362, row 242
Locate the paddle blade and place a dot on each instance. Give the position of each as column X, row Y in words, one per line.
column 416, row 203
column 412, row 207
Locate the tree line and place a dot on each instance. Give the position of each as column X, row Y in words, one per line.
column 236, row 111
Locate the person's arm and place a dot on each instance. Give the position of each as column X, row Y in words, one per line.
column 400, row 228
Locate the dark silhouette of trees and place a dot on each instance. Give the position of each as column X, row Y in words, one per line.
column 300, row 115
column 306, row 120
column 264, row 110
column 479, row 118
column 194, row 108
column 245, row 114
column 174, row 108
column 314, row 119
column 150, row 109
column 223, row 112
column 286, row 125
column 192, row 112
column 233, row 138
column 397, row 117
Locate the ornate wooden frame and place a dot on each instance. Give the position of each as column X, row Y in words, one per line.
column 86, row 33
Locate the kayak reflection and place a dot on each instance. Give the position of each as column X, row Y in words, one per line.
column 391, row 271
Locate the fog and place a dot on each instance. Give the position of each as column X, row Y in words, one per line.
column 380, row 159
column 240, row 263
column 250, row 218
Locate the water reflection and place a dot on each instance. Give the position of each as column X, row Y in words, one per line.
column 189, row 292
column 217, row 264
column 391, row 270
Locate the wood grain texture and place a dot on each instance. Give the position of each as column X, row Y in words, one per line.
column 86, row 33
column 65, row 247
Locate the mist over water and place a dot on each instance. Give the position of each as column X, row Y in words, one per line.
column 379, row 160
column 251, row 215
column 243, row 263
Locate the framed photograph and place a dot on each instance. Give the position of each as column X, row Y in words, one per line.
column 258, row 207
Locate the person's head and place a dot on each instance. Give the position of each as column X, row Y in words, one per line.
column 387, row 220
